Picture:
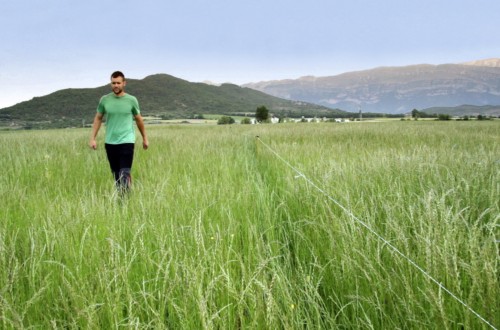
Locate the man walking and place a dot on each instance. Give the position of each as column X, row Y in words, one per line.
column 120, row 109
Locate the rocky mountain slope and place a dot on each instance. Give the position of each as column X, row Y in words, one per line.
column 396, row 89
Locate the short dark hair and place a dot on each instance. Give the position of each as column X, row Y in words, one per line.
column 117, row 74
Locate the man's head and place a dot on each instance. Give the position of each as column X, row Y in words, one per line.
column 118, row 83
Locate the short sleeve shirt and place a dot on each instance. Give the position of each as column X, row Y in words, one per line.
column 119, row 112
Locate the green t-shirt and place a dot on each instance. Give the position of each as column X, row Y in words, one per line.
column 119, row 112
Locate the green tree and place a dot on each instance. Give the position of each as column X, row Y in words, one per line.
column 246, row 120
column 483, row 117
column 261, row 114
column 225, row 120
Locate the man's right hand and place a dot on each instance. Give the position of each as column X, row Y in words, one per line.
column 93, row 144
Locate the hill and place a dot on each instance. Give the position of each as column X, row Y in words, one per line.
column 396, row 89
column 466, row 110
column 159, row 95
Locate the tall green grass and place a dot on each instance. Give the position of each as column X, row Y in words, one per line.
column 220, row 233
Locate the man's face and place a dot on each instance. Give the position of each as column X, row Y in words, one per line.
column 118, row 84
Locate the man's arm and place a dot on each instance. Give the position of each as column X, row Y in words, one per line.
column 140, row 125
column 95, row 129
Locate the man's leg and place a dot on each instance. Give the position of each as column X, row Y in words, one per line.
column 113, row 153
column 126, row 160
column 125, row 178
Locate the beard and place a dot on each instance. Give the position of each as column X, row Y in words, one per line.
column 117, row 90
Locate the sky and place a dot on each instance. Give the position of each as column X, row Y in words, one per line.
column 48, row 45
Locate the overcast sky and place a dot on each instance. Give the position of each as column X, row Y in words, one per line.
column 47, row 45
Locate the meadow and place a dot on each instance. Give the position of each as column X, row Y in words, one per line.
column 226, row 228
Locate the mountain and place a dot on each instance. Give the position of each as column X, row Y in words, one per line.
column 396, row 89
column 159, row 95
column 491, row 62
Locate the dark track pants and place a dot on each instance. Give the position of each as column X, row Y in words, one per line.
column 120, row 157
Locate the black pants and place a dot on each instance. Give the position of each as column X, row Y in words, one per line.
column 120, row 157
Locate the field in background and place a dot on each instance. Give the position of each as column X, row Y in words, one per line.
column 222, row 232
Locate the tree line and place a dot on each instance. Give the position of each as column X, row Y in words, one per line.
column 415, row 114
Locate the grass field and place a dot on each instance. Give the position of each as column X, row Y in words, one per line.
column 222, row 232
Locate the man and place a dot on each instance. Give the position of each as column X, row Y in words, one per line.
column 120, row 109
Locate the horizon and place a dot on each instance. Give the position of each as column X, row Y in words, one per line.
column 241, row 85
column 55, row 45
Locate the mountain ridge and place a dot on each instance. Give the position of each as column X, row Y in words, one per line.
column 468, row 88
column 490, row 62
column 397, row 89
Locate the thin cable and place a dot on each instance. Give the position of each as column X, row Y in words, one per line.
column 395, row 249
